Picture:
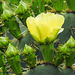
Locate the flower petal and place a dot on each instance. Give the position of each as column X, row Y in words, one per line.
column 53, row 35
column 42, row 25
column 32, row 26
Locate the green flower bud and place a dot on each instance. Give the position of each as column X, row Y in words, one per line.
column 71, row 42
column 27, row 49
column 63, row 49
column 4, row 6
column 0, row 69
column 22, row 7
column 11, row 51
column 7, row 14
column 4, row 42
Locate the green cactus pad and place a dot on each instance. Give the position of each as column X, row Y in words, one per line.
column 4, row 42
column 30, row 59
column 34, row 7
column 41, row 5
column 2, row 30
column 58, row 59
column 11, row 51
column 15, row 64
column 2, row 62
column 29, row 54
column 1, row 10
column 71, row 4
column 70, row 59
column 47, row 52
column 57, row 4
column 13, row 27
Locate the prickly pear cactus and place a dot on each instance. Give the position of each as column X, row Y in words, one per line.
column 71, row 4
column 13, row 59
column 57, row 4
column 20, row 54
column 30, row 56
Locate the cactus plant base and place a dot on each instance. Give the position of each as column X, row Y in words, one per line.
column 49, row 70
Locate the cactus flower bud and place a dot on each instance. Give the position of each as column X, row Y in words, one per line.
column 11, row 51
column 27, row 49
column 4, row 42
column 6, row 14
column 4, row 6
column 1, row 71
column 63, row 49
column 71, row 42
column 22, row 7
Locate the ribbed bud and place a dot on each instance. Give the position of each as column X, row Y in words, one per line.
column 11, row 51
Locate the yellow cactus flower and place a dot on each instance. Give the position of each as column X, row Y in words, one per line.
column 45, row 27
